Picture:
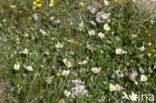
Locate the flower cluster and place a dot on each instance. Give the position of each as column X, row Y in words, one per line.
column 17, row 66
column 37, row 3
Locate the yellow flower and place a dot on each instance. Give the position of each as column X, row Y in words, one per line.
column 52, row 1
column 38, row 0
column 82, row 3
column 149, row 43
column 35, row 3
column 58, row 74
column 39, row 5
column 149, row 54
column 115, row 0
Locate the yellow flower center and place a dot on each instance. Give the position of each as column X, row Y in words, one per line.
column 66, row 93
column 29, row 68
column 81, row 62
column 117, row 38
column 16, row 68
column 25, row 51
column 106, row 27
column 95, row 71
column 91, row 32
column 102, row 35
column 69, row 65
column 59, row 46
column 119, row 52
column 106, row 15
column 65, row 62
column 133, row 97
column 143, row 78
column 112, row 89
column 141, row 49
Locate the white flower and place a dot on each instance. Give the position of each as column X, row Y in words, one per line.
column 25, row 34
column 133, row 97
column 119, row 73
column 51, row 5
column 143, row 78
column 93, row 23
column 106, row 27
column 77, row 81
column 49, row 80
column 52, row 18
column 79, row 91
column 93, row 10
column 67, row 63
column 83, row 62
column 29, row 68
column 132, row 76
column 106, row 2
column 16, row 66
column 118, row 87
column 57, row 21
column 91, row 32
column 13, row 6
column 43, row 32
column 35, row 16
column 66, row 93
column 96, row 70
column 105, row 16
column 101, row 35
column 98, row 19
column 125, row 96
column 109, row 22
column 81, row 25
column 142, row 48
column 65, row 72
column 112, row 87
column 25, row 51
column 59, row 45
column 118, row 51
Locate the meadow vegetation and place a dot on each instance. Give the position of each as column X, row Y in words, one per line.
column 76, row 51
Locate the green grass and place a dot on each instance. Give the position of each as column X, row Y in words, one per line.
column 126, row 20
